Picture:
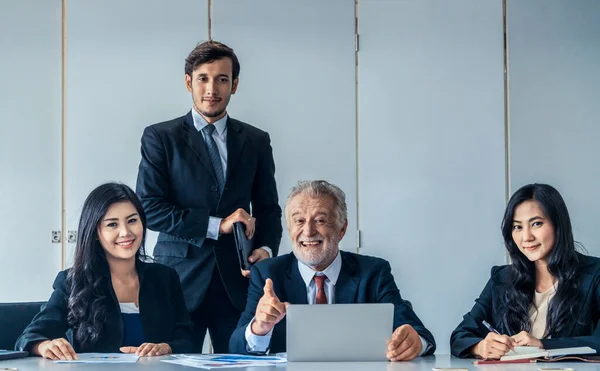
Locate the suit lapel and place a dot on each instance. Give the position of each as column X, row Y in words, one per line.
column 195, row 141
column 346, row 287
column 294, row 285
column 235, row 145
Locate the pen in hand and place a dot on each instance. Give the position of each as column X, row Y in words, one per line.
column 489, row 327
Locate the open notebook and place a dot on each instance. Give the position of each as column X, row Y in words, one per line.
column 534, row 352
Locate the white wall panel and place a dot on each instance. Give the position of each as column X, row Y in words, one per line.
column 297, row 83
column 125, row 71
column 30, row 147
column 554, row 74
column 431, row 139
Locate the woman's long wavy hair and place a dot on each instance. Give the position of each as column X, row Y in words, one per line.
column 88, row 279
column 562, row 261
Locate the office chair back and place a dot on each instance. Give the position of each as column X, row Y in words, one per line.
column 14, row 317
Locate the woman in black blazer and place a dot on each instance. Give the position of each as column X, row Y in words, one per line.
column 547, row 277
column 110, row 300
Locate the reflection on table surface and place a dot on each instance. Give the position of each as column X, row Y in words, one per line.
column 420, row 364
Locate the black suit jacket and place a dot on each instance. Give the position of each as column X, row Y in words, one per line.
column 179, row 192
column 164, row 316
column 362, row 279
column 489, row 307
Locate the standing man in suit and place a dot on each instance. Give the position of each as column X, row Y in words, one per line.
column 317, row 272
column 199, row 174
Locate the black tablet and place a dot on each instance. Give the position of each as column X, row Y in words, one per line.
column 244, row 246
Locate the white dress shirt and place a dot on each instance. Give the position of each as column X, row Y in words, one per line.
column 260, row 344
column 220, row 137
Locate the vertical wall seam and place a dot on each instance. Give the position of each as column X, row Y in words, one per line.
column 63, row 135
column 506, row 109
column 357, row 122
column 210, row 5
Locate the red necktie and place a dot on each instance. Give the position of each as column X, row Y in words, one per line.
column 320, row 282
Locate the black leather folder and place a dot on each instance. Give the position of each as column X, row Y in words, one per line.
column 12, row 354
column 243, row 245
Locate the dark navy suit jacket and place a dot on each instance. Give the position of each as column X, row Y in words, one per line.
column 362, row 279
column 489, row 307
column 178, row 189
column 164, row 316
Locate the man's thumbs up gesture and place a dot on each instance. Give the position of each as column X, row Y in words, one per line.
column 269, row 311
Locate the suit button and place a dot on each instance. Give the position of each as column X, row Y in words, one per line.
column 213, row 188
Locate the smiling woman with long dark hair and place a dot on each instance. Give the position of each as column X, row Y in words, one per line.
column 548, row 297
column 111, row 300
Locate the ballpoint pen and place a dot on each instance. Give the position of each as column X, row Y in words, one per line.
column 499, row 362
column 489, row 327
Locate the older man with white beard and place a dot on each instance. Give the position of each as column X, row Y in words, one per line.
column 317, row 272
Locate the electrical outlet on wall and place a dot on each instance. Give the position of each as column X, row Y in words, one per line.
column 72, row 236
column 55, row 236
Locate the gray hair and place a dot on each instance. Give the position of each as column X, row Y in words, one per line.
column 318, row 188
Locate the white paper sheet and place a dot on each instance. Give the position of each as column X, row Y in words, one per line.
column 212, row 361
column 103, row 358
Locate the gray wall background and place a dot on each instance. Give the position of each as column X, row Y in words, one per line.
column 30, row 147
column 417, row 141
column 297, row 83
column 554, row 71
column 125, row 70
column 431, row 141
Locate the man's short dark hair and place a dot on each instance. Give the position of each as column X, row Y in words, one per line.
column 210, row 51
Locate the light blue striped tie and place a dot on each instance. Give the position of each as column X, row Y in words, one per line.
column 213, row 153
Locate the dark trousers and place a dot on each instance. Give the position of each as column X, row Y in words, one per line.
column 216, row 314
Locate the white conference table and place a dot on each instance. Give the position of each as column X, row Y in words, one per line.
column 420, row 364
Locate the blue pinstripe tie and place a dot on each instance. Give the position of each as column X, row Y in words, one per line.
column 213, row 153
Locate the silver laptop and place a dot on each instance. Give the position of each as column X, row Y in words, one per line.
column 338, row 332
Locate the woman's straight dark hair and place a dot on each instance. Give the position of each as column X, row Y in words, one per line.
column 563, row 263
column 87, row 279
